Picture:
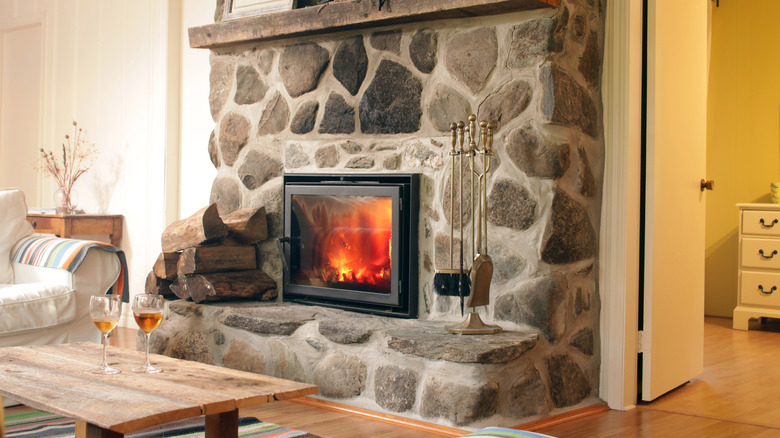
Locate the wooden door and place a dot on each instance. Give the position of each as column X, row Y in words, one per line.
column 673, row 306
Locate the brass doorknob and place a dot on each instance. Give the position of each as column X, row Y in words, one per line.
column 706, row 185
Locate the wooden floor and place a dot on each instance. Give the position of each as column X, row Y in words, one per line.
column 734, row 397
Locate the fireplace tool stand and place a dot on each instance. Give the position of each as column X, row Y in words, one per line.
column 482, row 268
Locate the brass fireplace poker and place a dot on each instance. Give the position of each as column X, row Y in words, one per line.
column 482, row 268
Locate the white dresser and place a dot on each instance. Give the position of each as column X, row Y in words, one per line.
column 759, row 263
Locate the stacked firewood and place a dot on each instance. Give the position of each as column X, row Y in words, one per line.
column 208, row 257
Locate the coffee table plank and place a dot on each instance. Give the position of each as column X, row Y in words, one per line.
column 184, row 389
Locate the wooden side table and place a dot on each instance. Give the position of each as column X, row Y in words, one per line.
column 68, row 225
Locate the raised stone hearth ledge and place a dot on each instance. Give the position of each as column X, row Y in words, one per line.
column 345, row 15
column 413, row 368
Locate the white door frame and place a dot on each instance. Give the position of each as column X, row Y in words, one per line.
column 620, row 238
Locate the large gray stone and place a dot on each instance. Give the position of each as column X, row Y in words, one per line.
column 214, row 150
column 420, row 155
column 283, row 362
column 350, row 63
column 447, row 106
column 388, row 40
column 264, row 60
column 326, row 157
column 300, row 67
column 506, row 264
column 351, row 147
column 226, row 193
column 233, row 135
column 527, row 395
column 536, row 156
column 395, row 388
column 391, row 103
column 434, row 342
column 338, row 116
column 590, row 62
column 583, row 341
column 249, row 87
column 295, row 157
column 267, row 320
column 537, row 303
column 531, row 42
column 582, row 301
column 220, row 85
column 391, row 162
column 340, row 376
column 569, row 235
column 471, row 56
column 360, row 163
column 510, row 205
column 568, row 384
column 241, row 356
column 305, row 117
column 459, row 403
column 275, row 116
column 423, row 50
column 258, row 168
column 346, row 330
column 506, row 104
column 191, row 345
column 566, row 102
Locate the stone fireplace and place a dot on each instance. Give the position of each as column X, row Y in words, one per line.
column 378, row 97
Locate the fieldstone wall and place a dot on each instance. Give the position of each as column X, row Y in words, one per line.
column 382, row 100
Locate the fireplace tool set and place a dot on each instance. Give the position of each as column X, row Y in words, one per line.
column 472, row 282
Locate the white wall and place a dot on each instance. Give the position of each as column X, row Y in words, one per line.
column 105, row 65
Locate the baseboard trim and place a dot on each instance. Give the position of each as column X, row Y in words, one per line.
column 563, row 417
column 388, row 418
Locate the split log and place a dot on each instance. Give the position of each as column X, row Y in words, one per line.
column 219, row 286
column 158, row 286
column 248, row 225
column 179, row 288
column 216, row 258
column 165, row 266
column 202, row 227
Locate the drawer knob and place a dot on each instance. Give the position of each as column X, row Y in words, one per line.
column 769, row 292
column 33, row 223
column 763, row 223
column 767, row 257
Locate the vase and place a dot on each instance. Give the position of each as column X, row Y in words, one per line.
column 63, row 201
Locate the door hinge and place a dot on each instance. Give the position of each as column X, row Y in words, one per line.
column 641, row 339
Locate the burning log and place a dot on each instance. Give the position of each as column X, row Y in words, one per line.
column 248, row 225
column 218, row 286
column 165, row 266
column 216, row 258
column 202, row 227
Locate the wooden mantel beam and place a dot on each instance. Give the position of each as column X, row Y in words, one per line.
column 346, row 15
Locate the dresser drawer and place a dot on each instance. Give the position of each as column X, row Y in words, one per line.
column 764, row 222
column 760, row 253
column 44, row 225
column 760, row 289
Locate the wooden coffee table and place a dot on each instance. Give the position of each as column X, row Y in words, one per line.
column 58, row 379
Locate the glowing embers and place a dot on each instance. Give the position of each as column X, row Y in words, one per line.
column 346, row 241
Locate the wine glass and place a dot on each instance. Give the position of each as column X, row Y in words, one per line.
column 105, row 311
column 148, row 312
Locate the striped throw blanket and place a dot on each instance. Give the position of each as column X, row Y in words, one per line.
column 67, row 254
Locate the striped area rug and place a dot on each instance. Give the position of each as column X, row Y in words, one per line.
column 39, row 424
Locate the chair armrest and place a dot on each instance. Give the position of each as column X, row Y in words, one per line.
column 96, row 274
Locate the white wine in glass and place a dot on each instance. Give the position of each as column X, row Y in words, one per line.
column 105, row 311
column 148, row 312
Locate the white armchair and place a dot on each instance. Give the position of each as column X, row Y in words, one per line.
column 47, row 305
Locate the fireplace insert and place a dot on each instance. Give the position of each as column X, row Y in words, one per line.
column 350, row 242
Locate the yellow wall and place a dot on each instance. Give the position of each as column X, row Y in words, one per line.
column 743, row 138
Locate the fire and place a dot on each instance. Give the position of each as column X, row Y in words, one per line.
column 352, row 242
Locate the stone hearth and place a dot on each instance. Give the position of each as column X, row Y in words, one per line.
column 381, row 100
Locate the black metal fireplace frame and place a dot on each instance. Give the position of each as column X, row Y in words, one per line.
column 402, row 301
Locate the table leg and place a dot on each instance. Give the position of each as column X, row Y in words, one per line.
column 224, row 425
column 87, row 430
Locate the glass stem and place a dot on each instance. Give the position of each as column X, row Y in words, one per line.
column 105, row 344
column 148, row 335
